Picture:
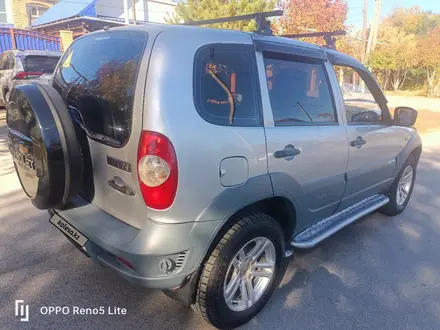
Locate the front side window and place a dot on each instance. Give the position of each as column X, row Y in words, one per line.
column 298, row 90
column 226, row 85
column 97, row 77
column 360, row 104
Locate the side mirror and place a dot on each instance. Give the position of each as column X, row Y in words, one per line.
column 405, row 116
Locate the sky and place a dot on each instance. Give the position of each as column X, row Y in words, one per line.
column 355, row 8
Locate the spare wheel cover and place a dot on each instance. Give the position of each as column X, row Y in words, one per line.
column 43, row 143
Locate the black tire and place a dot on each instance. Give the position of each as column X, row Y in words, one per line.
column 210, row 301
column 393, row 208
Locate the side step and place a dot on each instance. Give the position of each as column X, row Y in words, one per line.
column 326, row 227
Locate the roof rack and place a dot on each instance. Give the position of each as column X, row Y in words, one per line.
column 263, row 25
column 328, row 36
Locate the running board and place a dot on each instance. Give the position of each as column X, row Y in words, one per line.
column 326, row 227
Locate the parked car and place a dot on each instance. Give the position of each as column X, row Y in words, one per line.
column 198, row 164
column 24, row 66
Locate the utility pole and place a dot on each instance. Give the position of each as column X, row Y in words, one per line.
column 374, row 28
column 133, row 9
column 364, row 31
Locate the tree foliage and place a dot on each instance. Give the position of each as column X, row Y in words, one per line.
column 312, row 15
column 395, row 56
column 408, row 47
column 430, row 60
column 196, row 10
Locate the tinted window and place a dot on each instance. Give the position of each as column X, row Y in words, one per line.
column 44, row 64
column 97, row 77
column 360, row 105
column 298, row 90
column 226, row 85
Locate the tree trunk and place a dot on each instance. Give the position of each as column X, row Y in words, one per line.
column 430, row 78
column 386, row 79
column 396, row 81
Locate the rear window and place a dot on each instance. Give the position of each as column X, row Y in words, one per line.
column 44, row 64
column 97, row 77
column 226, row 85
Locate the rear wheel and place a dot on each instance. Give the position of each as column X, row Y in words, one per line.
column 242, row 272
column 401, row 189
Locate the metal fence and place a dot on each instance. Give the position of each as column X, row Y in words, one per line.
column 27, row 40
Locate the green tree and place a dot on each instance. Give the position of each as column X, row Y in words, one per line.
column 196, row 10
column 395, row 56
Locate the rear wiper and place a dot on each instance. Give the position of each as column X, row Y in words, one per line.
column 304, row 110
column 78, row 118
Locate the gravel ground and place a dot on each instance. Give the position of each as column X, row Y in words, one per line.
column 379, row 273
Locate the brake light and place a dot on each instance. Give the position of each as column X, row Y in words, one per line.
column 27, row 75
column 157, row 170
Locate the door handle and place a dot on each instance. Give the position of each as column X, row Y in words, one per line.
column 289, row 152
column 119, row 185
column 359, row 142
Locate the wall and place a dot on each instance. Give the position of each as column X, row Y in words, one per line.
column 113, row 8
column 152, row 11
column 158, row 9
column 19, row 13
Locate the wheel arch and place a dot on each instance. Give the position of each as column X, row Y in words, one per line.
column 278, row 207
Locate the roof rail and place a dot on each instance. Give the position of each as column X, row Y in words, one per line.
column 328, row 36
column 263, row 25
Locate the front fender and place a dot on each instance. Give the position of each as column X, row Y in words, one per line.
column 414, row 142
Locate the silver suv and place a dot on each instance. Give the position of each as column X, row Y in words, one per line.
column 195, row 160
column 25, row 66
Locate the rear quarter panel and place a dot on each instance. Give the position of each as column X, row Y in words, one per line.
column 200, row 146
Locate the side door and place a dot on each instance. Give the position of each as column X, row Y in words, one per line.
column 306, row 141
column 374, row 143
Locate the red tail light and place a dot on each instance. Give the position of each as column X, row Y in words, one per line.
column 157, row 170
column 27, row 75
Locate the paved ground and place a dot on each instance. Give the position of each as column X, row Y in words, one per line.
column 380, row 273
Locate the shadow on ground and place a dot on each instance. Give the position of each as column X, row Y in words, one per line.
column 380, row 273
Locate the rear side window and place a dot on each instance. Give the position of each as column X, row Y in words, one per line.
column 97, row 77
column 298, row 90
column 226, row 85
column 44, row 64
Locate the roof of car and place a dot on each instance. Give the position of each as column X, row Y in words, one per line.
column 203, row 30
column 35, row 52
column 192, row 30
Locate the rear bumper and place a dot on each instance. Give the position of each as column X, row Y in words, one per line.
column 162, row 255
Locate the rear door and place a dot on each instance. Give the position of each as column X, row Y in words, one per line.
column 306, row 141
column 102, row 79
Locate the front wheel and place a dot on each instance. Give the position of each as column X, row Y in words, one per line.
column 401, row 189
column 242, row 272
